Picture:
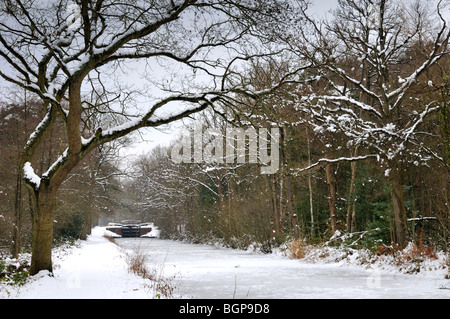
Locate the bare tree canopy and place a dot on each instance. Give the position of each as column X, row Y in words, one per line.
column 370, row 62
column 68, row 53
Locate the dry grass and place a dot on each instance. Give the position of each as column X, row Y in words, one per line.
column 297, row 249
column 416, row 257
column 111, row 239
column 410, row 259
column 415, row 252
column 138, row 264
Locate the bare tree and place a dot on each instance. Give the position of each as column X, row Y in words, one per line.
column 375, row 105
column 60, row 50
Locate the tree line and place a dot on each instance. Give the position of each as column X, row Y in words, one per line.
column 361, row 101
column 92, row 190
column 364, row 144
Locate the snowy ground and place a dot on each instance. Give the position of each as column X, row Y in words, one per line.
column 95, row 269
column 98, row 269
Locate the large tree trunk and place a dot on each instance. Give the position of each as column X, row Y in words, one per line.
column 44, row 202
column 399, row 209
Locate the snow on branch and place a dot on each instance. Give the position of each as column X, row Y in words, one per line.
column 422, row 115
column 30, row 176
column 341, row 73
column 202, row 184
column 417, row 219
column 41, row 126
column 197, row 103
column 354, row 102
column 412, row 78
column 56, row 164
column 335, row 160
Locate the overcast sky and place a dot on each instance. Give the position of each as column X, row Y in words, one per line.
column 154, row 137
column 149, row 138
column 324, row 5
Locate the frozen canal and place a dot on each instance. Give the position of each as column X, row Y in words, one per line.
column 205, row 272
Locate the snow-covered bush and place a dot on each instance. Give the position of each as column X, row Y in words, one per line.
column 415, row 258
column 13, row 272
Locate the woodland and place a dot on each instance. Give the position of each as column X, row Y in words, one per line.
column 361, row 100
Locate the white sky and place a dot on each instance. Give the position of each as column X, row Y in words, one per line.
column 324, row 5
column 147, row 139
column 155, row 137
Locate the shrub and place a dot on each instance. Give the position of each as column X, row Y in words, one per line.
column 297, row 249
column 13, row 274
column 138, row 264
column 69, row 226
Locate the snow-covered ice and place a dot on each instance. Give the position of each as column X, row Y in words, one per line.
column 203, row 271
column 98, row 269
